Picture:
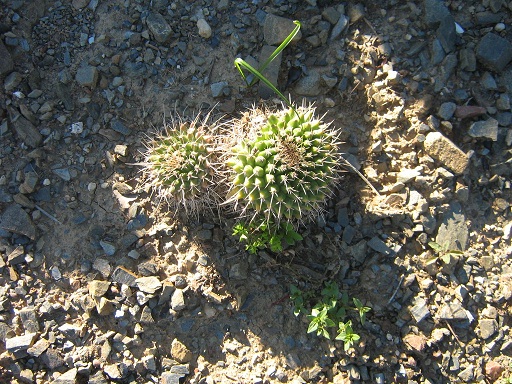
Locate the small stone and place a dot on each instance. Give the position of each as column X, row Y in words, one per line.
column 339, row 27
column 173, row 378
column 148, row 284
column 488, row 82
column 416, row 342
column 113, row 372
column 87, row 76
column 102, row 266
column 453, row 311
column 178, row 300
column 15, row 219
column 484, row 129
column 105, row 307
column 488, row 328
column 276, row 29
column 442, row 149
column 180, row 352
column 205, row 31
column 218, row 88
column 146, row 317
column 467, row 375
column 469, row 111
column 68, row 377
column 493, row 370
column 494, row 52
column 108, row 248
column 159, row 27
column 38, row 348
column 119, row 127
column 309, row 85
column 356, row 12
column 379, row 246
column 446, row 110
column 28, row 318
column 420, row 310
column 27, row 132
column 98, row 288
column 6, row 63
column 122, row 275
column 407, row 175
column 503, row 102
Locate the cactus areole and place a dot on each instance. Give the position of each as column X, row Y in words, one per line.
column 285, row 170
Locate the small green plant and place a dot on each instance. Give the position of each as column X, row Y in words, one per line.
column 448, row 257
column 330, row 312
column 265, row 235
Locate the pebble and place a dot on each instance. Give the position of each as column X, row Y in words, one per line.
column 87, row 76
column 442, row 149
column 204, row 29
column 484, row 129
column 180, row 352
column 159, row 27
column 494, row 52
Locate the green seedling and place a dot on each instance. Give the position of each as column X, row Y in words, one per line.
column 443, row 254
column 265, row 235
column 241, row 64
column 330, row 312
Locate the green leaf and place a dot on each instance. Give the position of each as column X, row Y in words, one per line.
column 313, row 326
column 436, row 247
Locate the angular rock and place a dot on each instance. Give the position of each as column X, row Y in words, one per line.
column 27, row 132
column 178, row 300
column 417, row 342
column 379, row 246
column 122, row 275
column 52, row 359
column 146, row 317
column 493, row 370
column 446, row 33
column 98, row 288
column 446, row 110
column 87, row 76
column 113, row 372
column 468, row 111
column 271, row 72
column 105, row 307
column 443, row 150
column 159, row 27
column 6, row 63
column 435, row 12
column 15, row 219
column 484, row 129
column 29, row 320
column 488, row 328
column 204, row 29
column 218, row 88
column 19, row 344
column 453, row 233
column 453, row 311
column 149, row 284
column 180, row 352
column 38, row 348
column 494, row 52
column 276, row 29
column 420, row 310
column 68, row 377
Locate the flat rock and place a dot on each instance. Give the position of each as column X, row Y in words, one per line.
column 68, row 377
column 178, row 300
column 468, row 111
column 453, row 311
column 494, row 52
column 420, row 310
column 435, row 12
column 19, row 344
column 453, row 232
column 276, row 29
column 15, row 219
column 98, row 288
column 52, row 359
column 27, row 132
column 417, row 342
column 39, row 347
column 159, row 27
column 487, row 129
column 493, row 370
column 379, row 246
column 488, row 328
column 6, row 63
column 122, row 275
column 148, row 284
column 446, row 110
column 445, row 151
column 87, row 76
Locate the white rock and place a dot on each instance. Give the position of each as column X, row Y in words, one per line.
column 205, row 31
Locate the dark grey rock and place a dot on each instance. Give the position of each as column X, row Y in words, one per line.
column 146, row 317
column 446, row 110
column 218, row 88
column 171, row 378
column 309, row 85
column 276, row 29
column 340, row 26
column 108, row 248
column 123, row 276
column 87, row 76
column 453, row 311
column 159, row 27
column 379, row 246
column 438, row 54
column 28, row 318
column 487, row 129
column 494, row 52
column 420, row 310
column 63, row 173
column 446, row 33
column 15, row 219
column 488, row 328
column 27, row 132
column 348, row 234
column 271, row 72
column 453, row 233
column 6, row 63
column 488, row 82
column 119, row 127
column 467, row 60
column 435, row 12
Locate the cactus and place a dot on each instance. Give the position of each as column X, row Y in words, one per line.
column 284, row 165
column 178, row 165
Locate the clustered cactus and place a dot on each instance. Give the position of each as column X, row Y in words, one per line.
column 178, row 164
column 276, row 167
column 283, row 168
